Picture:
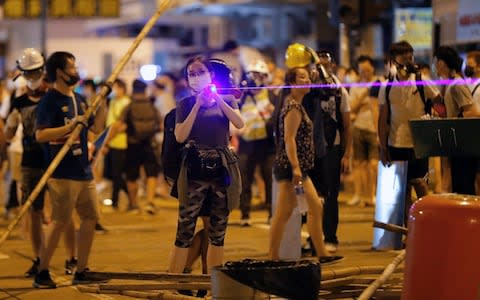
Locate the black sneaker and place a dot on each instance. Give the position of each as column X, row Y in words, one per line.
column 44, row 281
column 70, row 265
column 86, row 278
column 33, row 269
column 100, row 229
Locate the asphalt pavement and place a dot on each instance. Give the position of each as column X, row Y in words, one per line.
column 142, row 242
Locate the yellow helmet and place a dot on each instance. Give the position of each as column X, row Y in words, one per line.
column 299, row 55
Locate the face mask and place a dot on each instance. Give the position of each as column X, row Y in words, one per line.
column 469, row 71
column 34, row 84
column 73, row 79
column 198, row 83
column 349, row 79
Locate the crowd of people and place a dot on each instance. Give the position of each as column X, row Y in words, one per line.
column 208, row 135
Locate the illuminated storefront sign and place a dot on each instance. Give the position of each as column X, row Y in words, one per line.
column 415, row 26
column 468, row 21
column 62, row 8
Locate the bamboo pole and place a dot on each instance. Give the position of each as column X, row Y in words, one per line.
column 351, row 271
column 157, row 286
column 104, row 91
column 152, row 276
column 371, row 289
column 391, row 227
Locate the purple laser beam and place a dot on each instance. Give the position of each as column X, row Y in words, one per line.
column 364, row 84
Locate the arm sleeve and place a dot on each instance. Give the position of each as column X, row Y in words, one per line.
column 45, row 114
column 461, row 95
column 182, row 110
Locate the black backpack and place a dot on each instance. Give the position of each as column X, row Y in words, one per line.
column 427, row 103
column 143, row 120
column 171, row 149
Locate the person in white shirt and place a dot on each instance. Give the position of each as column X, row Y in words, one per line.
column 397, row 105
column 459, row 104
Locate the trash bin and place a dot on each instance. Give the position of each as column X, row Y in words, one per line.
column 257, row 279
column 442, row 248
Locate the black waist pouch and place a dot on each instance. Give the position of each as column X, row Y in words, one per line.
column 205, row 164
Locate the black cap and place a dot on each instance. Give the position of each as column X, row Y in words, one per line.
column 138, row 86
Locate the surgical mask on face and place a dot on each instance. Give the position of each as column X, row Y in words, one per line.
column 34, row 84
column 198, row 83
column 73, row 79
column 469, row 71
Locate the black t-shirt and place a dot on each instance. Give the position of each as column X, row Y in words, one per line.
column 33, row 155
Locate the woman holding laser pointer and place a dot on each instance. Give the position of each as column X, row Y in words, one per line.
column 209, row 172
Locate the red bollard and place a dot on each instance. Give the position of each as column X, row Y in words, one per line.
column 443, row 248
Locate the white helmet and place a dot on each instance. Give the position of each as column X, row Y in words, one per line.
column 31, row 59
column 258, row 66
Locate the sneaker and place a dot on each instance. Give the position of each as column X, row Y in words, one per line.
column 33, row 269
column 354, row 201
column 328, row 260
column 70, row 265
column 85, row 278
column 151, row 209
column 330, row 247
column 100, row 229
column 245, row 222
column 44, row 281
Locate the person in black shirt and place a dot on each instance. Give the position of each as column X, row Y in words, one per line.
column 23, row 111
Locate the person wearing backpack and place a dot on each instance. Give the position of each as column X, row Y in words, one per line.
column 400, row 100
column 141, row 121
column 459, row 104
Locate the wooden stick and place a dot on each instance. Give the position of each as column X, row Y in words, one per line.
column 157, row 286
column 170, row 296
column 328, row 284
column 351, row 271
column 152, row 276
column 164, row 5
column 370, row 290
column 391, row 227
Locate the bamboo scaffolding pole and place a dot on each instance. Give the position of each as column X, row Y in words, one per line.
column 157, row 286
column 391, row 227
column 104, row 91
column 351, row 271
column 152, row 276
column 370, row 290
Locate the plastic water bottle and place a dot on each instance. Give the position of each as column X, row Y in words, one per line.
column 301, row 201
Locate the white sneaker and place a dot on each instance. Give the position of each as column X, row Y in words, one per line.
column 354, row 201
column 332, row 248
column 245, row 222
